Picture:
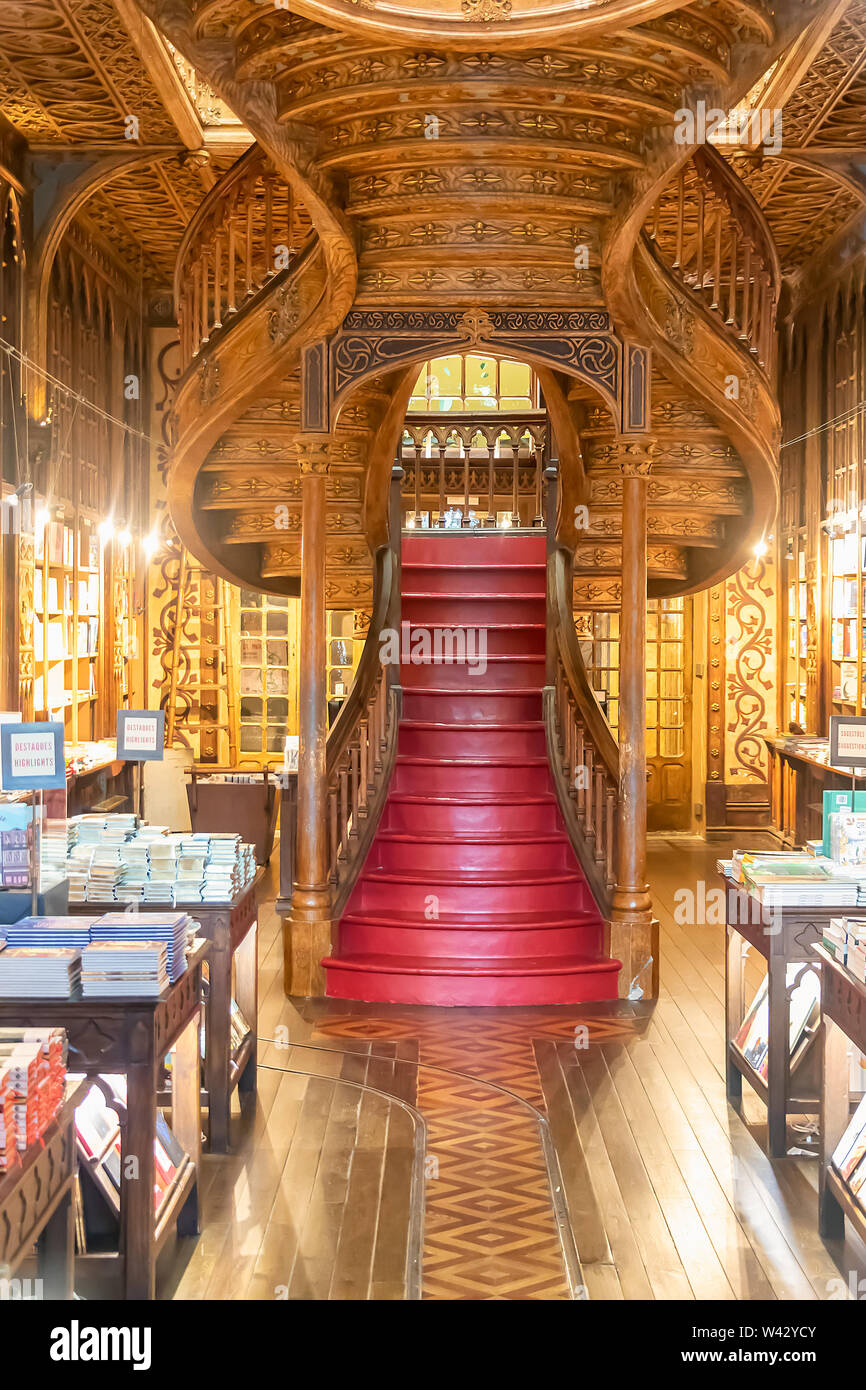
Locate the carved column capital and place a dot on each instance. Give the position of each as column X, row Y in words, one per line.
column 636, row 455
column 314, row 453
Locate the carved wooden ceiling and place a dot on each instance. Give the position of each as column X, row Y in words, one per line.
column 72, row 70
column 71, row 73
column 807, row 206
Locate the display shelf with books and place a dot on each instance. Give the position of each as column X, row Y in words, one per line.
column 761, row 1029
column 98, row 1126
column 230, row 1009
column 130, row 1037
column 37, row 1203
column 842, row 1178
column 83, row 629
column 795, row 598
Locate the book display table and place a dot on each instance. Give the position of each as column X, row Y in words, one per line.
column 36, row 1205
column 231, row 930
column 843, row 1008
column 786, row 940
column 131, row 1037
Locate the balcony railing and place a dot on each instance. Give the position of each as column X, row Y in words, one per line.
column 474, row 471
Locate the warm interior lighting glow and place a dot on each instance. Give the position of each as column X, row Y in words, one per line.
column 105, row 530
column 124, row 537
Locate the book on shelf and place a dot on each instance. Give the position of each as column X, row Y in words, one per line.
column 753, row 1036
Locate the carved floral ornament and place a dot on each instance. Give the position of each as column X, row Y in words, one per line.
column 314, row 453
column 636, row 457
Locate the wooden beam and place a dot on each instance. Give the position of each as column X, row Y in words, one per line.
column 794, row 64
column 163, row 73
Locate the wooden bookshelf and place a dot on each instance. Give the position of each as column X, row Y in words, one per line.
column 83, row 624
column 843, row 1012
column 36, row 1205
column 792, row 1084
column 132, row 1036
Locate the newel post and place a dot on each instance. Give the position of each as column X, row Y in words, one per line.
column 308, row 930
column 633, row 936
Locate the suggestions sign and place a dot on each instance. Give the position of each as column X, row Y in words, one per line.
column 141, row 734
column 31, row 756
column 847, row 742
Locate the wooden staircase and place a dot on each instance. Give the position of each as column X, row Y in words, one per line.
column 540, row 148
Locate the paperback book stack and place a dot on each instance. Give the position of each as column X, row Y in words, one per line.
column 59, row 838
column 104, row 830
column 792, row 880
column 845, row 939
column 8, row 1141
column 49, row 931
column 174, row 930
column 78, row 872
column 106, row 874
column 124, row 969
column 47, row 972
column 32, row 1087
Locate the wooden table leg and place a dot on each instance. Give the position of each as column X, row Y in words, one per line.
column 137, row 1176
column 734, row 1010
column 186, row 1115
column 778, row 1067
column 56, row 1251
column 834, row 1121
column 218, row 1042
column 247, row 986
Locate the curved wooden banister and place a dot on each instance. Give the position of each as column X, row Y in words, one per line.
column 362, row 745
column 709, row 233
column 228, row 253
column 583, row 753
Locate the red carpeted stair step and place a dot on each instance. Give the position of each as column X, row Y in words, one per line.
column 431, row 609
column 438, row 777
column 508, row 670
column 422, row 980
column 490, row 705
column 409, row 811
column 462, row 740
column 533, row 934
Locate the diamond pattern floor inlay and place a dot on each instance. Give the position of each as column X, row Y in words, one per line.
column 490, row 1228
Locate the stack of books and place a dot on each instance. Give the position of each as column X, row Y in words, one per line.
column 794, row 880
column 124, row 969
column 47, row 972
column 845, row 939
column 59, row 838
column 175, row 930
column 32, row 1087
column 49, row 931
column 117, row 858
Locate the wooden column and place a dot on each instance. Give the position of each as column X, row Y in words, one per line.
column 308, row 930
column 632, row 933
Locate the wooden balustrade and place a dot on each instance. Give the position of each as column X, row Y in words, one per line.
column 483, row 466
column 362, row 745
column 710, row 234
column 584, row 756
column 248, row 229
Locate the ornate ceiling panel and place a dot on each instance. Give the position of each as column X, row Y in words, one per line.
column 69, row 73
column 805, row 207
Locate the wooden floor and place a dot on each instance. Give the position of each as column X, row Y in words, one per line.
column 408, row 1152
